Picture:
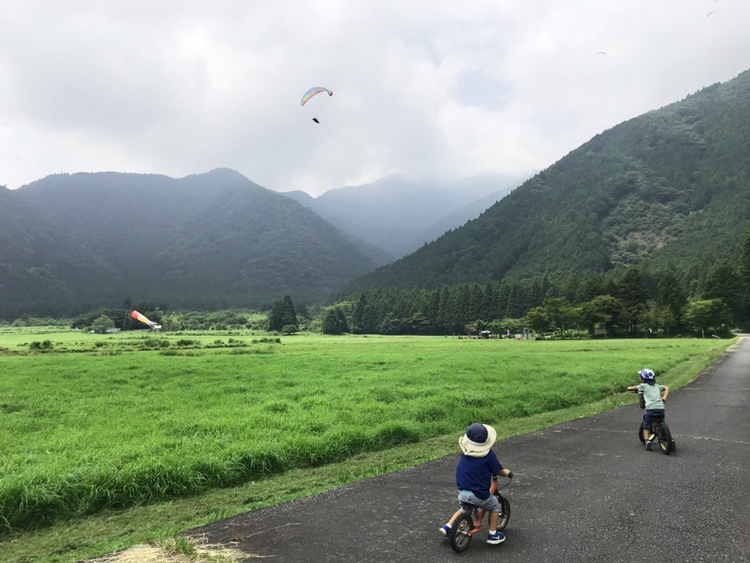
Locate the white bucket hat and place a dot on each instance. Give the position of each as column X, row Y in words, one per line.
column 478, row 440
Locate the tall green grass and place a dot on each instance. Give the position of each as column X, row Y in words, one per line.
column 84, row 431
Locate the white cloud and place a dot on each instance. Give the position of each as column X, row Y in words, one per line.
column 424, row 88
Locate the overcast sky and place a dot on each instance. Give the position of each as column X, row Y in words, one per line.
column 425, row 88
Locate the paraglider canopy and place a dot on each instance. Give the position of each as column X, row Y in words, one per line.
column 314, row 91
column 315, row 119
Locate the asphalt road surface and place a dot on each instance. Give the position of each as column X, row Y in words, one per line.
column 584, row 491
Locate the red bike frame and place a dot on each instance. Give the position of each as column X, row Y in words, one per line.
column 478, row 513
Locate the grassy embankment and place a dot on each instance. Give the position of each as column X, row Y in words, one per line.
column 127, row 422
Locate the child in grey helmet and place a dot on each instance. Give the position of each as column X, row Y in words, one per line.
column 476, row 469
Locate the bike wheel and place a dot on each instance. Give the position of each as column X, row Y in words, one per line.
column 460, row 537
column 502, row 521
column 640, row 434
column 665, row 438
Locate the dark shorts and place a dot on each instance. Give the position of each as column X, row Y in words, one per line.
column 649, row 416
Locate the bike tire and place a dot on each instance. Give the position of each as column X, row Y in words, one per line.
column 459, row 535
column 640, row 434
column 504, row 517
column 665, row 438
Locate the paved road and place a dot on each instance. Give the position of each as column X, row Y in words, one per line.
column 584, row 491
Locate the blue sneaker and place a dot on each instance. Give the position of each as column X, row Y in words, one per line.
column 496, row 538
column 445, row 530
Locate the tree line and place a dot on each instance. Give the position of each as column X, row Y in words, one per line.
column 629, row 302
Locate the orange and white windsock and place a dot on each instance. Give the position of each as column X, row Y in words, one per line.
column 138, row 317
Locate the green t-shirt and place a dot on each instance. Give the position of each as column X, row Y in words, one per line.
column 652, row 395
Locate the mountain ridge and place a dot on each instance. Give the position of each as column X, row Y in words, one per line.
column 399, row 214
column 207, row 240
column 667, row 190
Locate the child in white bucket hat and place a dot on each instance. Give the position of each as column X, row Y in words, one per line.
column 476, row 469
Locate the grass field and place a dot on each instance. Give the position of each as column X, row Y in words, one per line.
column 94, row 422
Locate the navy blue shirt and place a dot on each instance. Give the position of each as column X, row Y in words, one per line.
column 475, row 474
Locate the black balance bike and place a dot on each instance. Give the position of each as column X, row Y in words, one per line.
column 659, row 429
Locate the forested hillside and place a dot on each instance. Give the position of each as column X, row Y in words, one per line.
column 73, row 242
column 666, row 191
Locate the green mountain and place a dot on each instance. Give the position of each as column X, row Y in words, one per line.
column 667, row 191
column 36, row 253
column 466, row 213
column 71, row 242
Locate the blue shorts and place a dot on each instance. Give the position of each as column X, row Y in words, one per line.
column 649, row 416
column 468, row 499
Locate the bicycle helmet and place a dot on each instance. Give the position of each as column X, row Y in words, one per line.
column 647, row 374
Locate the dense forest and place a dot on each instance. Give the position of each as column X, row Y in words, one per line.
column 627, row 302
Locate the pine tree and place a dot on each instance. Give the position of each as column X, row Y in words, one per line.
column 334, row 321
column 632, row 293
column 672, row 299
column 282, row 314
column 358, row 314
column 745, row 279
column 724, row 282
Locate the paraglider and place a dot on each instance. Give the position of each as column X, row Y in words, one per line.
column 142, row 318
column 315, row 119
column 708, row 15
column 314, row 91
column 601, row 53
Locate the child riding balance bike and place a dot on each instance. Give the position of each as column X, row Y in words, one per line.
column 652, row 398
column 476, row 476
